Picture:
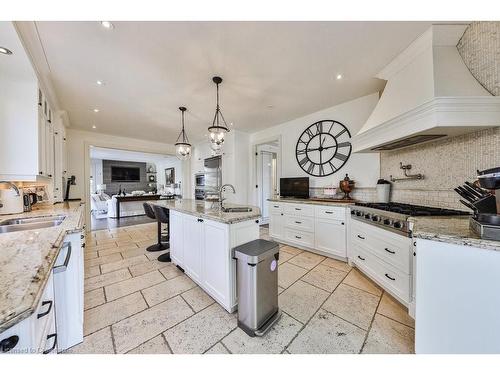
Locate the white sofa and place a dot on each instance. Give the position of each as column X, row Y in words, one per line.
column 99, row 205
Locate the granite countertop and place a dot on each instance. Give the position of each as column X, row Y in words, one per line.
column 27, row 257
column 209, row 211
column 316, row 201
column 451, row 229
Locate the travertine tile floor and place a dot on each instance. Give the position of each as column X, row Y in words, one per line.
column 135, row 304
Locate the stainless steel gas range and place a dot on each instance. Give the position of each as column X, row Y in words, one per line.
column 394, row 216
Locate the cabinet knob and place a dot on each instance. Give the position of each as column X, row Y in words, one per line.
column 50, row 175
column 8, row 343
column 343, row 223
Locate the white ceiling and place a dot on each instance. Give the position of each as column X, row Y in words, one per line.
column 16, row 66
column 124, row 155
column 152, row 68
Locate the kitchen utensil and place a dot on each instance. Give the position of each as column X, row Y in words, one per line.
column 468, row 205
column 477, row 188
column 474, row 192
column 465, row 194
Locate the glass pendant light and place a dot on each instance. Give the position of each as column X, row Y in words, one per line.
column 182, row 145
column 219, row 127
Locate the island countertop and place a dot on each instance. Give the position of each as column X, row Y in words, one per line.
column 209, row 210
column 452, row 229
column 315, row 201
column 27, row 258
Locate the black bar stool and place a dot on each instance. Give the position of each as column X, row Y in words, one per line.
column 162, row 215
column 151, row 214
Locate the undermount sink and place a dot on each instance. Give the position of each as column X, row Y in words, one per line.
column 236, row 209
column 28, row 220
column 20, row 224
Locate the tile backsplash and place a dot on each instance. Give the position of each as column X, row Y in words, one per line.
column 445, row 164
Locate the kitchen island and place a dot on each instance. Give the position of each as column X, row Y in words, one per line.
column 457, row 282
column 201, row 241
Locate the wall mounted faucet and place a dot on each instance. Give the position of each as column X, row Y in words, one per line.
column 405, row 168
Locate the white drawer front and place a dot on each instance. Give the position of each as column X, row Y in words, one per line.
column 390, row 247
column 329, row 212
column 391, row 279
column 45, row 310
column 299, row 237
column 299, row 209
column 300, row 223
column 276, row 207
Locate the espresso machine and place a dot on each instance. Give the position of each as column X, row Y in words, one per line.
column 486, row 219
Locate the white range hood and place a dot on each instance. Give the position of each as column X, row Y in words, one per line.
column 429, row 94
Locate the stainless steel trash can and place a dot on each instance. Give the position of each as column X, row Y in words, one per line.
column 257, row 279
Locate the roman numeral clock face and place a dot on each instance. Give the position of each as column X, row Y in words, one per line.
column 323, row 148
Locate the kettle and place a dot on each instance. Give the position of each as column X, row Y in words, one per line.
column 11, row 202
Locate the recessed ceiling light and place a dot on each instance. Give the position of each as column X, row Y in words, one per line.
column 93, row 126
column 96, row 110
column 100, row 83
column 107, row 25
column 339, row 76
column 5, row 51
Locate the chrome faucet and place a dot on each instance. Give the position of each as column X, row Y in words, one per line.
column 12, row 186
column 221, row 197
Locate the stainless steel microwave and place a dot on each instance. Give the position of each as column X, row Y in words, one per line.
column 199, row 180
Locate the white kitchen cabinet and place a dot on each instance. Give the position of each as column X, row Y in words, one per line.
column 203, row 248
column 176, row 238
column 59, row 161
column 30, row 335
column 68, row 292
column 193, row 246
column 31, row 124
column 312, row 227
column 384, row 256
column 276, row 225
column 330, row 236
column 217, row 261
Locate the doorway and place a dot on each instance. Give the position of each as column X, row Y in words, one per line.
column 267, row 155
column 120, row 181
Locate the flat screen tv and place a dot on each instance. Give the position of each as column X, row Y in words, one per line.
column 294, row 187
column 125, row 174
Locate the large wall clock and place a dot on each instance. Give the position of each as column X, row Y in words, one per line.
column 323, row 148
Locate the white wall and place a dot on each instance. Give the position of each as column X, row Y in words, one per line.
column 363, row 168
column 171, row 162
column 96, row 173
column 78, row 158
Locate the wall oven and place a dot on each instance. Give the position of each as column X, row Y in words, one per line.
column 199, row 180
column 199, row 194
